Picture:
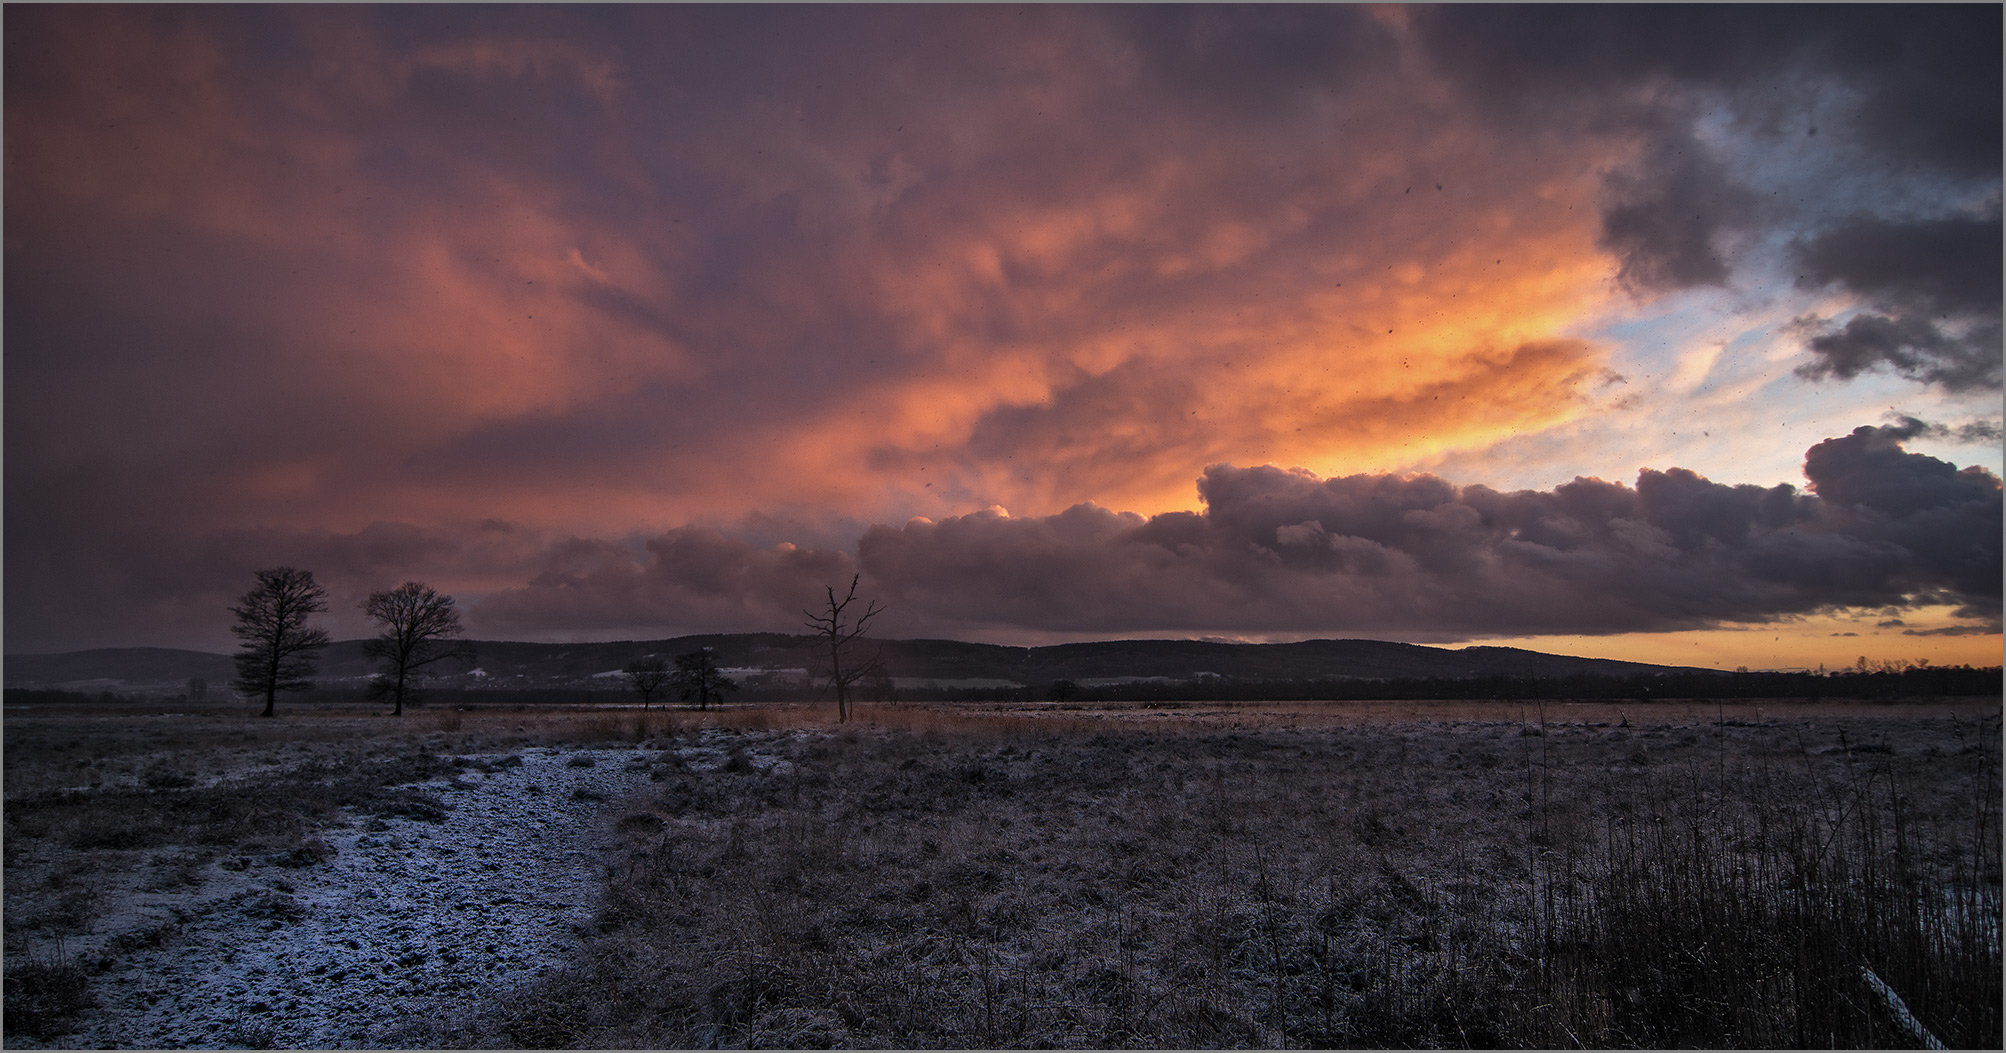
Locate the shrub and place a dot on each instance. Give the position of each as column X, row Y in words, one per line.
column 43, row 996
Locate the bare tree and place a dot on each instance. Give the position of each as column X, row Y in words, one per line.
column 419, row 627
column 699, row 680
column 839, row 631
column 646, row 675
column 278, row 648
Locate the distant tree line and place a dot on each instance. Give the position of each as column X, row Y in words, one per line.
column 1878, row 683
column 56, row 696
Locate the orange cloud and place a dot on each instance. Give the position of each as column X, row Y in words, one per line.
column 1168, row 309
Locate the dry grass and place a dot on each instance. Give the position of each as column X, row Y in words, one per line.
column 943, row 878
column 1170, row 874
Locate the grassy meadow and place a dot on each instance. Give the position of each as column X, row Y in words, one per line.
column 1169, row 874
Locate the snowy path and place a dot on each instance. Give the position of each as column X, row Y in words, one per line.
column 409, row 921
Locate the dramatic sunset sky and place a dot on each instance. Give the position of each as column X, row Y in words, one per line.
column 1670, row 334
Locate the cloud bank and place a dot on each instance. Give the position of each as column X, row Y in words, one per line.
column 1285, row 550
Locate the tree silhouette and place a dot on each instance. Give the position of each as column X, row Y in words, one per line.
column 646, row 675
column 839, row 631
column 419, row 627
column 278, row 648
column 699, row 680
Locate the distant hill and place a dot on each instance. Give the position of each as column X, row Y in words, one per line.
column 120, row 668
column 515, row 664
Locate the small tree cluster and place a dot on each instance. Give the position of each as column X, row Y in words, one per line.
column 418, row 628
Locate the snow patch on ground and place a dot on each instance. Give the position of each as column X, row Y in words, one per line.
column 408, row 922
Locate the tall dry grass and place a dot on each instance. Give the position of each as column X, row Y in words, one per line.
column 1752, row 916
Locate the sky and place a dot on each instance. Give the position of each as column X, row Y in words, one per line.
column 1657, row 333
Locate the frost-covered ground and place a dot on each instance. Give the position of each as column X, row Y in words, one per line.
column 1220, row 875
column 407, row 924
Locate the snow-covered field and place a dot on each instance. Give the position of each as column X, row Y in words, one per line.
column 408, row 923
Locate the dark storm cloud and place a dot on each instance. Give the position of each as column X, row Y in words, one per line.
column 1948, row 265
column 692, row 579
column 1927, row 76
column 1512, row 56
column 1285, row 550
column 1933, row 286
column 1930, row 80
column 1924, row 92
column 1910, row 345
column 1668, row 216
column 1947, row 519
column 172, row 586
column 1254, row 61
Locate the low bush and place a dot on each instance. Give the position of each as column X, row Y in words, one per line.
column 44, row 995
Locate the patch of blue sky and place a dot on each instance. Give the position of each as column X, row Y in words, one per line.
column 1719, row 392
column 1709, row 383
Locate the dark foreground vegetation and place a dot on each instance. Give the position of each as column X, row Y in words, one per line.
column 1477, row 883
column 1547, row 874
